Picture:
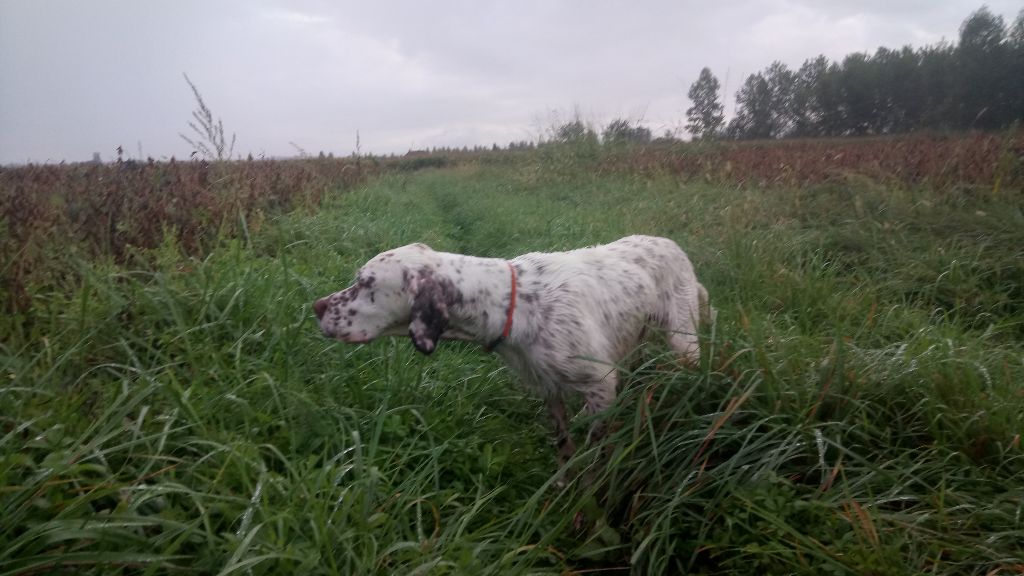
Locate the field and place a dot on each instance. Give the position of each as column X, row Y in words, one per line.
column 168, row 405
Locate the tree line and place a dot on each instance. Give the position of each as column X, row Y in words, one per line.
column 977, row 83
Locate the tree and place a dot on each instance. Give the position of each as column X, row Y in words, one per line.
column 976, row 83
column 705, row 117
column 983, row 59
column 806, row 104
column 829, row 95
column 1016, row 35
column 576, row 132
column 621, row 131
column 1016, row 72
column 781, row 83
column 859, row 95
column 983, row 31
column 754, row 115
column 938, row 84
column 765, row 104
column 899, row 85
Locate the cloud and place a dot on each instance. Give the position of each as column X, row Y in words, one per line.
column 293, row 17
column 84, row 77
column 796, row 32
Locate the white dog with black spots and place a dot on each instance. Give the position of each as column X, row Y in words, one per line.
column 561, row 320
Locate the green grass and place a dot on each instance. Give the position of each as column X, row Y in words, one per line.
column 858, row 410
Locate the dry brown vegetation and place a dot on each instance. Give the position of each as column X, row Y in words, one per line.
column 114, row 210
column 119, row 210
column 938, row 161
column 857, row 410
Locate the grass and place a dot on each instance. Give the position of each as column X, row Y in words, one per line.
column 858, row 409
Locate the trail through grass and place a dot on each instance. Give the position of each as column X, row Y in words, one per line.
column 859, row 408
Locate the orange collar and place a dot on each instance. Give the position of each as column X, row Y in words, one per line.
column 511, row 310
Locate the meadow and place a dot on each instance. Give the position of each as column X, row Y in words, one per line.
column 168, row 405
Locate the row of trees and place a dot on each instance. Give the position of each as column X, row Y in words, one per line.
column 619, row 131
column 976, row 83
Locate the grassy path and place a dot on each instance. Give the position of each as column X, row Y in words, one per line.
column 860, row 409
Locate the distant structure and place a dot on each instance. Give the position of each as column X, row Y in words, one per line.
column 96, row 158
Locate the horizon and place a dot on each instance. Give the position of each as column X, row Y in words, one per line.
column 308, row 77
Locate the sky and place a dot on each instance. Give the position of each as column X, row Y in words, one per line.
column 80, row 77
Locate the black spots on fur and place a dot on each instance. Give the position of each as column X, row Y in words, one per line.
column 349, row 294
column 564, row 288
column 372, row 295
column 520, row 271
column 452, row 294
column 429, row 314
column 606, row 318
column 447, row 290
column 528, row 297
column 352, row 312
column 366, row 282
column 427, row 322
column 562, row 373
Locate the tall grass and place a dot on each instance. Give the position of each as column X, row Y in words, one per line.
column 121, row 211
column 858, row 408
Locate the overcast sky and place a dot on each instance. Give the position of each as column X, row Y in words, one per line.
column 79, row 77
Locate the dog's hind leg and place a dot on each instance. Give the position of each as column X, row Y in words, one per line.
column 563, row 440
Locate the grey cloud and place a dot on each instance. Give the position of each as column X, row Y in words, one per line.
column 82, row 77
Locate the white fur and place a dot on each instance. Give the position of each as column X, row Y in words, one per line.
column 577, row 315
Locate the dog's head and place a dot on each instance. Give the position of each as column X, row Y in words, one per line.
column 396, row 291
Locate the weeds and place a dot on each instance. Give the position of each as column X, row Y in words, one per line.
column 209, row 139
column 53, row 214
column 858, row 408
column 936, row 161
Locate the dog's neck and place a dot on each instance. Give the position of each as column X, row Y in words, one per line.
column 479, row 310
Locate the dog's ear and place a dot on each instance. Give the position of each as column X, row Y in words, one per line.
column 428, row 318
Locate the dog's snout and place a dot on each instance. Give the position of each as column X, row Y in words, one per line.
column 319, row 307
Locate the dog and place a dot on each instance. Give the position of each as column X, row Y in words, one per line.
column 561, row 320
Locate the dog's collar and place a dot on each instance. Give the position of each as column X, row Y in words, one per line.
column 508, row 318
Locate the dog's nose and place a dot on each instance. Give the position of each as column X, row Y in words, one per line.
column 319, row 307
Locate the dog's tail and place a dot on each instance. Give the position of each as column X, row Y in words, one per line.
column 707, row 312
